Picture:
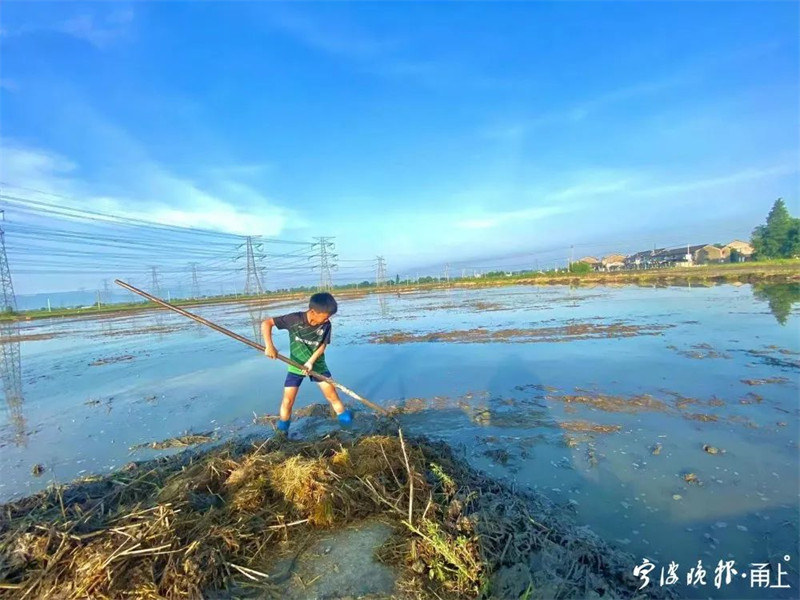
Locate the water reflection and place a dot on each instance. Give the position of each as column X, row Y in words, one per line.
column 158, row 319
column 779, row 296
column 384, row 306
column 11, row 371
column 256, row 314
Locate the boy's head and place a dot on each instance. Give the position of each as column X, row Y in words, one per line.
column 321, row 307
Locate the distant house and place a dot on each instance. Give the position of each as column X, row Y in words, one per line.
column 682, row 256
column 593, row 262
column 613, row 262
column 740, row 251
column 643, row 260
column 711, row 254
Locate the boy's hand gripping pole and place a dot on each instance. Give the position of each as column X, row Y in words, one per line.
column 250, row 343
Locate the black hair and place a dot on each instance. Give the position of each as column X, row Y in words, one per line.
column 323, row 302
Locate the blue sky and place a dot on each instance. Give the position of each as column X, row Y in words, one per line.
column 426, row 133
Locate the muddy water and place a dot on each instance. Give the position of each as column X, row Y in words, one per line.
column 602, row 398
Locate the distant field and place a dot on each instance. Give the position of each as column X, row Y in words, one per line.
column 749, row 272
column 116, row 309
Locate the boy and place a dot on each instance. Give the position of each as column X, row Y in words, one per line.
column 309, row 336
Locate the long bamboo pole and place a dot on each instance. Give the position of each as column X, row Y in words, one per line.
column 249, row 342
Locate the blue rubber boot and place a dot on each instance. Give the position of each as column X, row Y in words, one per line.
column 346, row 418
column 283, row 429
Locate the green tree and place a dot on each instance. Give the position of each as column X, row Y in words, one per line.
column 780, row 236
column 580, row 268
column 791, row 247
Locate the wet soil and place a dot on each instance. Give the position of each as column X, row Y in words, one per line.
column 480, row 335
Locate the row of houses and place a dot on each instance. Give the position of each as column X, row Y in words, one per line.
column 684, row 256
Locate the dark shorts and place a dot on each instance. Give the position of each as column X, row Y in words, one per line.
column 294, row 380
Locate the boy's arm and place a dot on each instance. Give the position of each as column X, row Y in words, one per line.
column 317, row 353
column 266, row 332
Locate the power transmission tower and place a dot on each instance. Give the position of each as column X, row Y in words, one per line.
column 10, row 369
column 326, row 261
column 380, row 271
column 195, row 284
column 154, row 285
column 447, row 273
column 9, row 299
column 106, row 291
column 252, row 283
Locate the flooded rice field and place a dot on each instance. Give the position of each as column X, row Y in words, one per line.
column 665, row 419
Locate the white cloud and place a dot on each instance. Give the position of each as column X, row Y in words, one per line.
column 380, row 55
column 515, row 216
column 156, row 195
column 337, row 39
column 592, row 188
column 515, row 130
column 98, row 31
column 616, row 190
column 548, row 203
column 36, row 166
column 101, row 27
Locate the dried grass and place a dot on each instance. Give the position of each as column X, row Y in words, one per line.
column 184, row 526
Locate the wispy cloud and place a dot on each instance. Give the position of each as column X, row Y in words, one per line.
column 383, row 56
column 101, row 27
column 516, row 129
column 541, row 202
column 100, row 31
column 614, row 191
column 243, row 170
column 9, row 85
column 157, row 195
column 344, row 40
column 514, row 216
column 744, row 175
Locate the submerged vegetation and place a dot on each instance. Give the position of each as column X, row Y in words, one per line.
column 564, row 333
column 184, row 526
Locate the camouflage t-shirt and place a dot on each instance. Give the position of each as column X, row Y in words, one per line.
column 304, row 339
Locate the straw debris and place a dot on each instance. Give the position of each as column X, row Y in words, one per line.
column 181, row 441
column 213, row 522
